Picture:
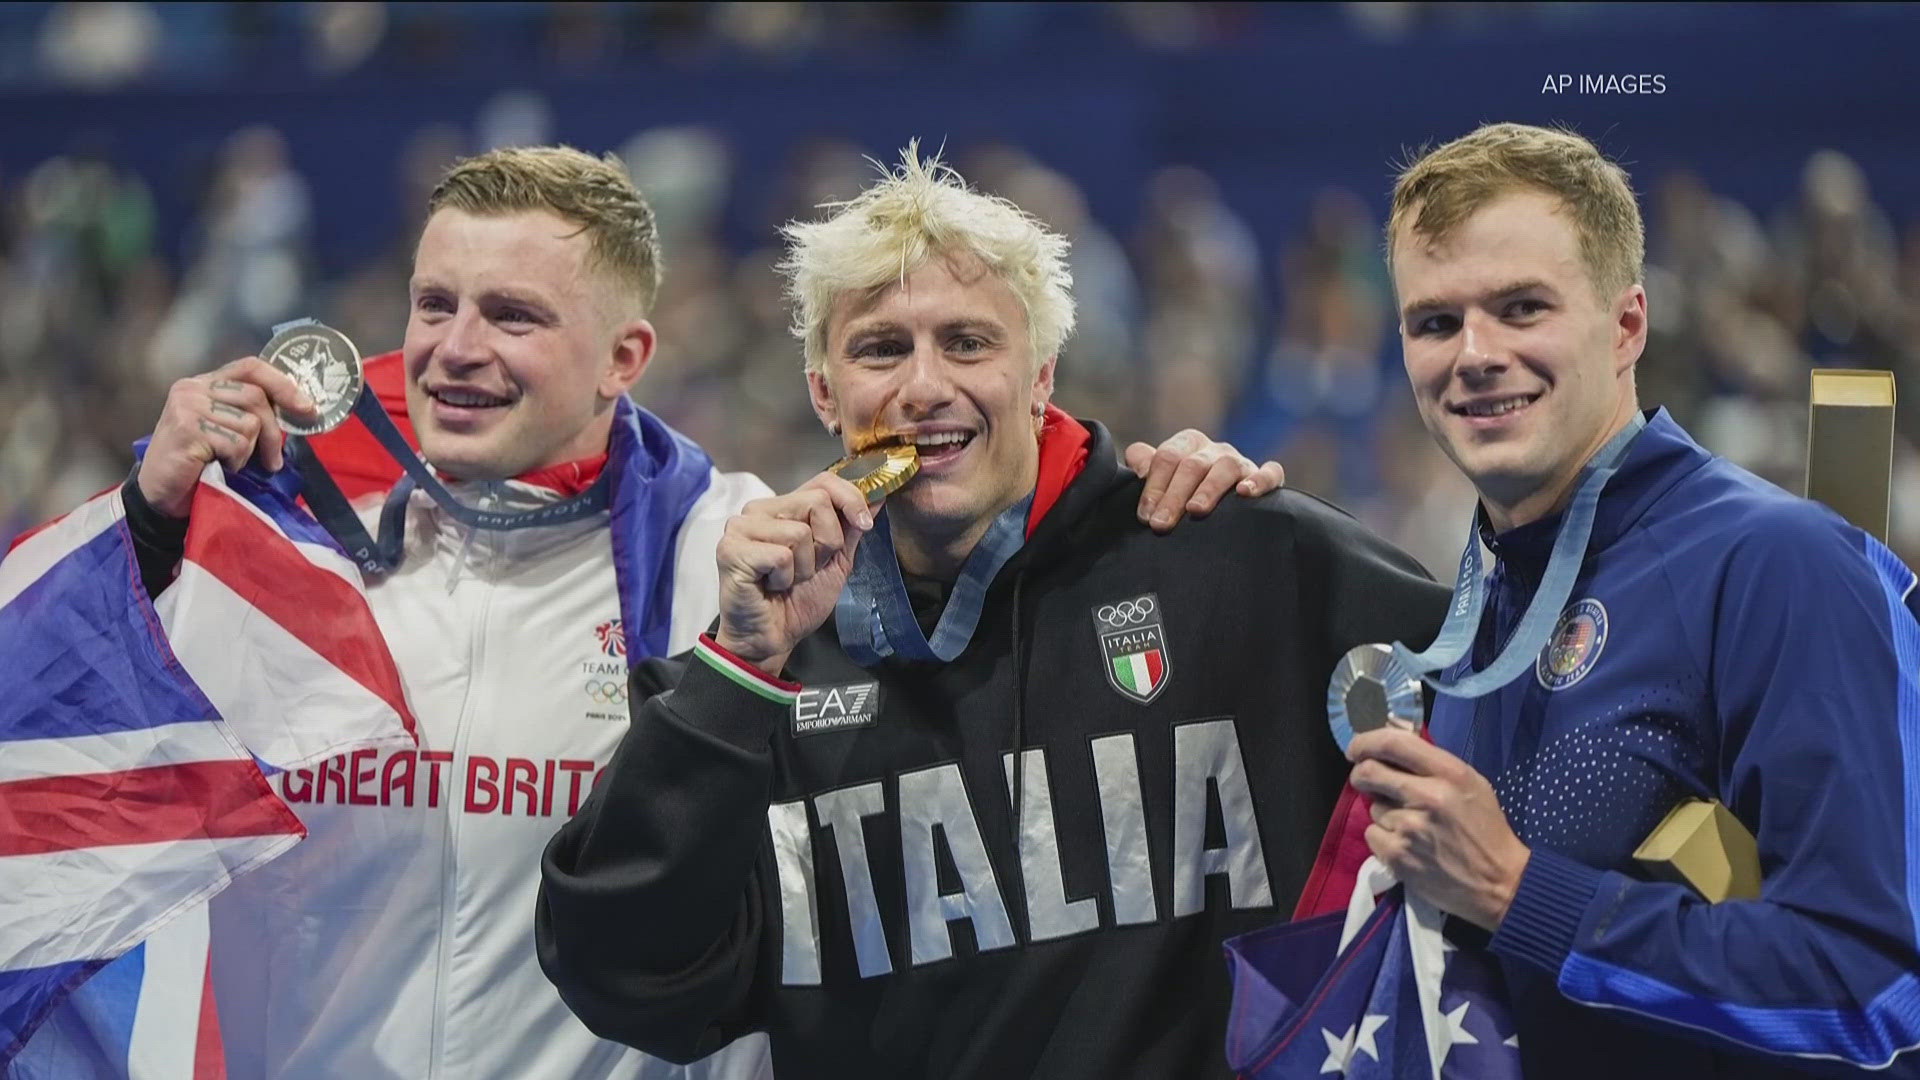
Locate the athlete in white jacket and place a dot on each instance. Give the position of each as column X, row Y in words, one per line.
column 397, row 940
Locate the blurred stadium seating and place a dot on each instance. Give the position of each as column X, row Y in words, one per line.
column 176, row 178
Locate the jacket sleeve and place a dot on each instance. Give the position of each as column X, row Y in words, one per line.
column 1810, row 659
column 159, row 542
column 652, row 909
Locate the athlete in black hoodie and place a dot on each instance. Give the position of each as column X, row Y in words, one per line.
column 810, row 828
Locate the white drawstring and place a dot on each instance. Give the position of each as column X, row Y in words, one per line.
column 489, row 500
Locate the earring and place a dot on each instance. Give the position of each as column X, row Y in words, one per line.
column 833, row 428
column 1039, row 408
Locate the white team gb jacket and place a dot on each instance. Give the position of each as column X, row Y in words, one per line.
column 396, row 941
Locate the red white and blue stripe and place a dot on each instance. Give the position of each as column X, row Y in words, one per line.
column 135, row 741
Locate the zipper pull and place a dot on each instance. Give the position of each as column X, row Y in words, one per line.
column 489, row 501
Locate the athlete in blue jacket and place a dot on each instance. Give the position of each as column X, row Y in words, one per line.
column 1714, row 638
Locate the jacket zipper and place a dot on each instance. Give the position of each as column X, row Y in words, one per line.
column 449, row 857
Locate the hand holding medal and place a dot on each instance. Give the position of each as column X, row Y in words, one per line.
column 234, row 416
column 879, row 472
column 326, row 367
column 784, row 561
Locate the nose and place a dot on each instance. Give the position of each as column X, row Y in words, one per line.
column 1481, row 355
column 925, row 390
column 463, row 346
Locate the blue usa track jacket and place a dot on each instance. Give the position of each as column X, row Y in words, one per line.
column 1725, row 640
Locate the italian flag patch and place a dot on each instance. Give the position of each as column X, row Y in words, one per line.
column 1138, row 673
column 1133, row 642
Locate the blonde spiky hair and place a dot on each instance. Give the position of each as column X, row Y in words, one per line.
column 915, row 211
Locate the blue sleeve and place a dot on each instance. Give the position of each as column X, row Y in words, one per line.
column 1812, row 655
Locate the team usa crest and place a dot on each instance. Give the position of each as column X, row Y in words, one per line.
column 1575, row 645
column 1134, row 646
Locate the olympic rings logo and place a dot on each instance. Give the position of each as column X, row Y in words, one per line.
column 1126, row 612
column 606, row 692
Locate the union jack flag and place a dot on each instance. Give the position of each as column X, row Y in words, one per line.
column 135, row 743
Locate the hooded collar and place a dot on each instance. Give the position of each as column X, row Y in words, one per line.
column 1064, row 443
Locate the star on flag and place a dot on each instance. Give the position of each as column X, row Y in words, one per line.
column 1341, row 1048
column 1386, row 994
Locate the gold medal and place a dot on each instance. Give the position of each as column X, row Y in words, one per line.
column 879, row 473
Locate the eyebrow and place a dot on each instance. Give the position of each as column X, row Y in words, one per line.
column 1422, row 306
column 863, row 331
column 975, row 323
column 507, row 293
column 526, row 297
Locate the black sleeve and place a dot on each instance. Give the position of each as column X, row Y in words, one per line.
column 159, row 541
column 652, row 907
column 1368, row 590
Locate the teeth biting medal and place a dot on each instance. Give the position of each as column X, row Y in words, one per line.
column 880, row 471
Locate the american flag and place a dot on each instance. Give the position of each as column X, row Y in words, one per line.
column 135, row 744
column 1373, row 993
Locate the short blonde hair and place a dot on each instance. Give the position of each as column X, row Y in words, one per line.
column 916, row 211
column 593, row 193
column 1444, row 187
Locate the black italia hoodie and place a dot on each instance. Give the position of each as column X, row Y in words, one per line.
column 834, row 859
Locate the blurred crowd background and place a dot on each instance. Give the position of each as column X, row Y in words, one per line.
column 178, row 178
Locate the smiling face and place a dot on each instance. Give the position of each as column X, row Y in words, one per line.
column 515, row 350
column 1521, row 372
column 944, row 361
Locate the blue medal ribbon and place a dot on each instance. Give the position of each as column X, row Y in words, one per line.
column 1556, row 585
column 874, row 617
column 380, row 556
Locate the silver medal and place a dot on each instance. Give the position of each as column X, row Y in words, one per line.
column 1369, row 690
column 325, row 364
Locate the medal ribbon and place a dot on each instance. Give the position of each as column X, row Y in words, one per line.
column 874, row 617
column 1556, row 585
column 379, row 557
